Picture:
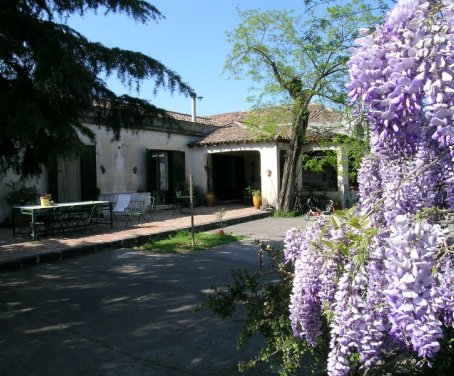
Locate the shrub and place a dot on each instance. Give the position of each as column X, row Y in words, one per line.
column 21, row 194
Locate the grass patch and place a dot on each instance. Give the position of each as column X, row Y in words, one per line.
column 181, row 242
column 284, row 214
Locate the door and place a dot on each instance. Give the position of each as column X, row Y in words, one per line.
column 228, row 176
column 165, row 172
column 88, row 182
column 74, row 178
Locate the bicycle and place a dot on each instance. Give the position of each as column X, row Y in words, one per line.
column 318, row 206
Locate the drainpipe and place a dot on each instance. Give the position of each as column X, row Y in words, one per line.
column 193, row 112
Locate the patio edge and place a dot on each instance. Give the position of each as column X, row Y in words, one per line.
column 72, row 252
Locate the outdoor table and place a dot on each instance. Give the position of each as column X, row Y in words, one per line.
column 34, row 211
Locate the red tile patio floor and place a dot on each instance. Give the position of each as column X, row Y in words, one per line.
column 14, row 252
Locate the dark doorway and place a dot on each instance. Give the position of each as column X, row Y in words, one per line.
column 74, row 178
column 165, row 172
column 228, row 176
column 88, row 181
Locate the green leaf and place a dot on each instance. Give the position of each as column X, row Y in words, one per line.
column 330, row 244
column 337, row 223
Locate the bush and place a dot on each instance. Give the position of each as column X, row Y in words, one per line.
column 265, row 296
column 21, row 194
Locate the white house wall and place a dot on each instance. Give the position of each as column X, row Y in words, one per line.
column 121, row 166
column 269, row 172
column 115, row 161
column 196, row 162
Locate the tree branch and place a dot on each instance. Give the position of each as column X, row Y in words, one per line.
column 272, row 65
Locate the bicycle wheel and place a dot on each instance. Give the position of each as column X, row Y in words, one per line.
column 328, row 206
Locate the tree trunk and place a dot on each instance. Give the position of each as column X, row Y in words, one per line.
column 288, row 183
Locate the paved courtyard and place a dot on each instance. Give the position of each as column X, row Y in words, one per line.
column 127, row 312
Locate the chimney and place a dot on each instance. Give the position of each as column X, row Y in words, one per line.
column 193, row 112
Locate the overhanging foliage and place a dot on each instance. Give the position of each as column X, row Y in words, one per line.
column 51, row 79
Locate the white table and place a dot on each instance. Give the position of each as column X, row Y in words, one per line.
column 34, row 211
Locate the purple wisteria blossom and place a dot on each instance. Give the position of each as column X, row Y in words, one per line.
column 409, row 261
column 305, row 305
column 294, row 239
column 443, row 292
column 375, row 316
column 370, row 188
column 403, row 77
column 314, row 283
column 348, row 321
column 395, row 290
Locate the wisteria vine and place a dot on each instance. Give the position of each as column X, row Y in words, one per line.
column 382, row 276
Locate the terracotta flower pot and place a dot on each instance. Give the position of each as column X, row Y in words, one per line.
column 257, row 201
column 211, row 199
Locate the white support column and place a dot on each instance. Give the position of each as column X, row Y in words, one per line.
column 269, row 162
column 342, row 177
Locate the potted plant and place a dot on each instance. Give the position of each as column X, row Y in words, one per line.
column 45, row 199
column 210, row 198
column 257, row 198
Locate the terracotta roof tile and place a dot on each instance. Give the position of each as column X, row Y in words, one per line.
column 235, row 133
column 323, row 124
column 317, row 114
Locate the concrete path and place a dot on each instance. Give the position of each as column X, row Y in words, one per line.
column 127, row 312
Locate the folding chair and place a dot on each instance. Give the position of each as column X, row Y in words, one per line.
column 91, row 220
column 150, row 208
column 121, row 207
column 136, row 210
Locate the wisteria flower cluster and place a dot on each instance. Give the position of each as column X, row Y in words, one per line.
column 402, row 76
column 385, row 284
column 314, row 282
column 409, row 261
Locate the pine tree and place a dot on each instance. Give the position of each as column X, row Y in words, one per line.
column 51, row 80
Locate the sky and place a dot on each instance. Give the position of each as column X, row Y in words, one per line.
column 191, row 41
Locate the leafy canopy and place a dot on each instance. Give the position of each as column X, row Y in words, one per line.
column 317, row 161
column 295, row 60
column 284, row 53
column 52, row 78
